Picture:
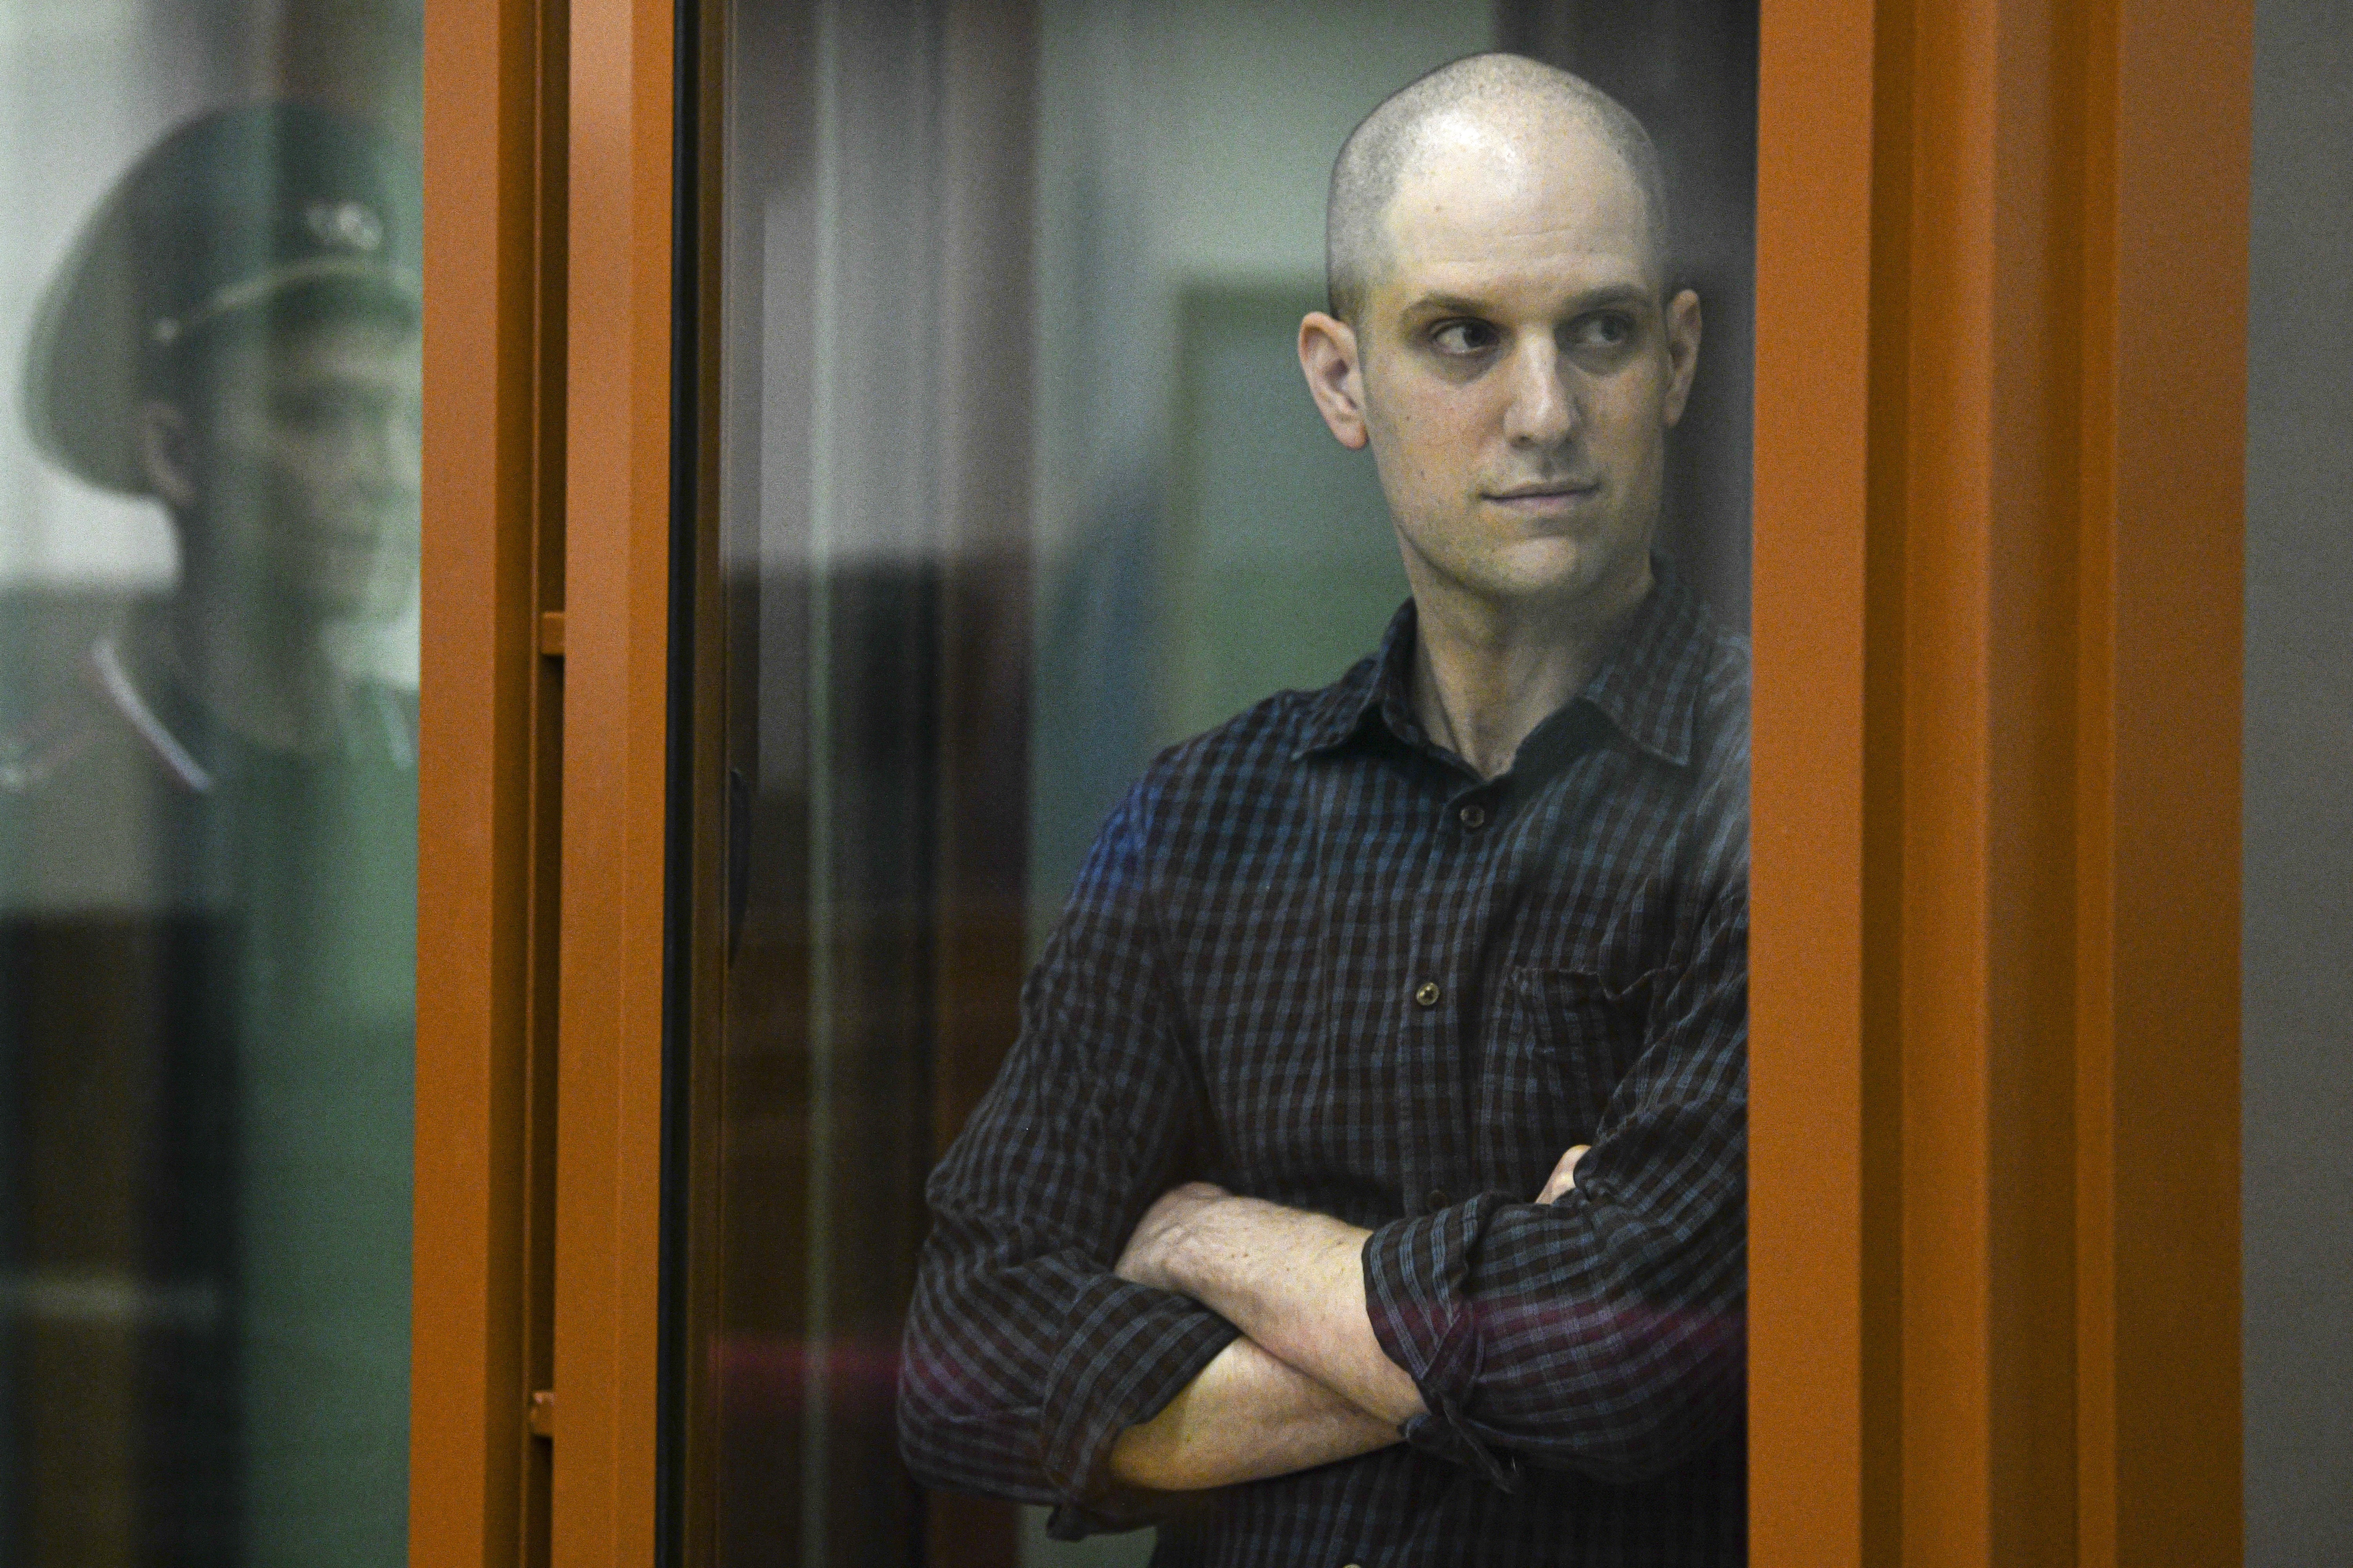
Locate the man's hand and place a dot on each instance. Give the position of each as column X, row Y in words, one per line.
column 1563, row 1175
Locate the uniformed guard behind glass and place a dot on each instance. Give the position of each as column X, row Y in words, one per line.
column 210, row 831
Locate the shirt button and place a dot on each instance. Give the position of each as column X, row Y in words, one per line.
column 1425, row 993
column 1473, row 817
column 1438, row 1199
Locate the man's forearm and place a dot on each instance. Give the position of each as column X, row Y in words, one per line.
column 1245, row 1417
column 1291, row 1280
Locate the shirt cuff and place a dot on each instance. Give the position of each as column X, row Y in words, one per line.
column 1128, row 1350
column 1415, row 1272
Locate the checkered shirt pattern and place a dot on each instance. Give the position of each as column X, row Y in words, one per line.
column 1314, row 959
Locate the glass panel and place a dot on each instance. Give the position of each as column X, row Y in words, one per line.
column 209, row 428
column 2298, row 845
column 1019, row 483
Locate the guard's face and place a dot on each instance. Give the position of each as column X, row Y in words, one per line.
column 1515, row 371
column 309, row 466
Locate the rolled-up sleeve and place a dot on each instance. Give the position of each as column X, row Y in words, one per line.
column 1606, row 1332
column 1025, row 1356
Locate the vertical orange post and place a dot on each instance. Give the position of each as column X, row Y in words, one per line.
column 1818, row 1357
column 1994, row 1235
column 608, row 1136
column 476, row 846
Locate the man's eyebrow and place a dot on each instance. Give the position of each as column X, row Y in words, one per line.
column 1464, row 304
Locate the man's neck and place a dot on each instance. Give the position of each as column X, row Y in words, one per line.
column 265, row 676
column 1484, row 676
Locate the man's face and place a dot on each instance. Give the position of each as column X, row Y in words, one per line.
column 308, row 467
column 1519, row 370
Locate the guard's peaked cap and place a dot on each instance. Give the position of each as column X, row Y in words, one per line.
column 235, row 209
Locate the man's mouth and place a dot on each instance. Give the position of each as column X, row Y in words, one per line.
column 1552, row 492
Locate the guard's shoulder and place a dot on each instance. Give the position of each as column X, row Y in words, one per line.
column 46, row 749
column 85, row 730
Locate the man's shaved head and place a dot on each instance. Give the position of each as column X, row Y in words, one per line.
column 1498, row 91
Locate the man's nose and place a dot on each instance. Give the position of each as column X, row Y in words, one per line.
column 1543, row 411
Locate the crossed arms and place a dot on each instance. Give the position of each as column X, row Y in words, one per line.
column 1078, row 1329
column 1307, row 1383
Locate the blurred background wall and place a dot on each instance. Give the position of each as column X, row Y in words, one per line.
column 2298, row 963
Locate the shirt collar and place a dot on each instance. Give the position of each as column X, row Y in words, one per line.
column 1381, row 685
column 1648, row 684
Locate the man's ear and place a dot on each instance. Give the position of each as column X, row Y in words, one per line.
column 168, row 454
column 1683, row 351
column 1336, row 376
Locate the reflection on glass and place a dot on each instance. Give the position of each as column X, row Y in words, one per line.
column 208, row 567
column 1019, row 483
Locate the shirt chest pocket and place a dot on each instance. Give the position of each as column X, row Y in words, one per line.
column 1564, row 1039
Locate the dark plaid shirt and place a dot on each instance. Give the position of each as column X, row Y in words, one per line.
column 1316, row 959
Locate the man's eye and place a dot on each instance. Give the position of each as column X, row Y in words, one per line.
column 1462, row 337
column 1605, row 329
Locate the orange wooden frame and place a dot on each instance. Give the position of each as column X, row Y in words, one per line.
column 486, row 822
column 542, row 805
column 617, row 662
column 2001, row 373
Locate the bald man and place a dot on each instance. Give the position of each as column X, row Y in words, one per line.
column 1367, row 1184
